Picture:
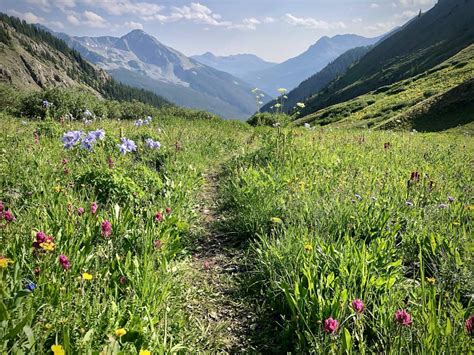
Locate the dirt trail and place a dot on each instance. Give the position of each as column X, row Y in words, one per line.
column 218, row 261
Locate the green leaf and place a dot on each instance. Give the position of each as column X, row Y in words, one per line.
column 346, row 340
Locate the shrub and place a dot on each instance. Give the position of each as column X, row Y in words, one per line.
column 269, row 119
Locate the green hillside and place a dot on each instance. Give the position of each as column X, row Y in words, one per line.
column 320, row 80
column 399, row 104
column 31, row 58
column 423, row 43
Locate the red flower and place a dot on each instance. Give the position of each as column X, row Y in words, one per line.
column 168, row 210
column 106, row 228
column 8, row 215
column 402, row 317
column 470, row 326
column 331, row 325
column 64, row 261
column 358, row 305
column 159, row 216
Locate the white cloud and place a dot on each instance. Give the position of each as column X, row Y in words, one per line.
column 248, row 24
column 269, row 20
column 125, row 7
column 411, row 3
column 374, row 6
column 406, row 15
column 91, row 19
column 27, row 16
column 311, row 23
column 134, row 25
column 73, row 20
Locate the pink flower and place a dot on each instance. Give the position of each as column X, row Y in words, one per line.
column 470, row 326
column 159, row 216
column 331, row 325
column 94, row 207
column 168, row 210
column 358, row 305
column 64, row 261
column 2, row 206
column 8, row 215
column 111, row 163
column 402, row 317
column 106, row 228
column 80, row 211
column 207, row 265
column 122, row 280
column 157, row 244
column 65, row 161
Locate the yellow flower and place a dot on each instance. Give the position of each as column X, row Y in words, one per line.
column 431, row 280
column 58, row 349
column 5, row 261
column 48, row 246
column 120, row 332
column 57, row 188
column 87, row 276
column 308, row 247
column 144, row 352
column 276, row 220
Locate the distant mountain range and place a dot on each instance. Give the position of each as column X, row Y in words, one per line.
column 31, row 59
column 293, row 71
column 238, row 65
column 140, row 60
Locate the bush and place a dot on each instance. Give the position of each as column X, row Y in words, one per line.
column 269, row 119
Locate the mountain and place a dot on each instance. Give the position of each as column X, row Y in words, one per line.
column 31, row 58
column 434, row 100
column 140, row 60
column 320, row 80
column 420, row 45
column 293, row 71
column 238, row 65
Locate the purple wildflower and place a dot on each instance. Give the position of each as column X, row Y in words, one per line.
column 64, row 261
column 402, row 317
column 152, row 144
column 127, row 146
column 331, row 325
column 72, row 138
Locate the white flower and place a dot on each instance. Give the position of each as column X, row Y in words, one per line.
column 282, row 90
column 307, row 125
column 301, row 105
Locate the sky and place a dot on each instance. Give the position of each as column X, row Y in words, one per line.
column 275, row 30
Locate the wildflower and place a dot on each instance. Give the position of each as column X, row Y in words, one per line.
column 470, row 326
column 64, row 161
column 277, row 105
column 80, row 211
column 72, row 138
column 110, row 162
column 402, row 317
column 127, row 146
column 282, row 90
column 86, row 276
column 94, row 207
column 64, row 261
column 168, row 210
column 120, row 332
column 91, row 138
column 144, row 352
column 374, row 198
column 300, row 105
column 37, row 271
column 46, row 104
column 276, row 220
column 48, row 245
column 2, row 207
column 8, row 215
column 159, row 216
column 358, row 305
column 138, row 123
column 442, row 206
column 308, row 247
column 276, row 124
column 307, row 125
column 285, row 97
column 122, row 280
column 157, row 244
column 431, row 280
column 4, row 262
column 409, row 203
column 58, row 350
column 152, row 144
column 106, row 228
column 331, row 325
column 450, row 199
column 30, row 286
column 87, row 113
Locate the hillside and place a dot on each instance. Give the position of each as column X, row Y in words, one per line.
column 140, row 60
column 31, row 58
column 293, row 71
column 421, row 44
column 239, row 65
column 434, row 100
column 320, row 80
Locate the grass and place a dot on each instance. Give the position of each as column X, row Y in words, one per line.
column 327, row 216
column 393, row 101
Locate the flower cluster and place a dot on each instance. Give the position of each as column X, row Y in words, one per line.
column 140, row 122
column 127, row 146
column 152, row 144
column 5, row 214
column 44, row 242
column 73, row 138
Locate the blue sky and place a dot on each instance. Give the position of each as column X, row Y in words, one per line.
column 272, row 29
